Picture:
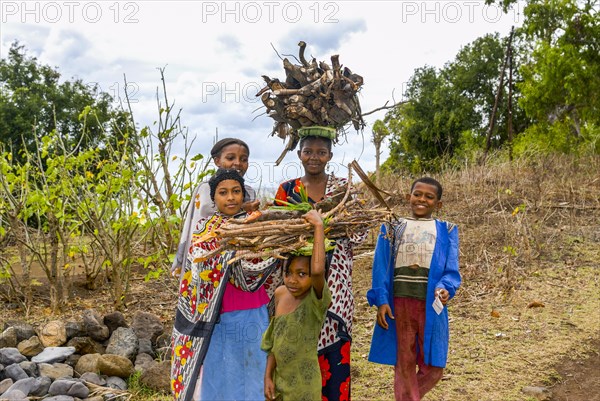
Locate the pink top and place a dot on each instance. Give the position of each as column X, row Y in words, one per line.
column 236, row 299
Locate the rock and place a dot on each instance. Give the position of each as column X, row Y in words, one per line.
column 30, row 347
column 123, row 342
column 60, row 398
column 145, row 347
column 15, row 372
column 15, row 395
column 96, row 398
column 53, row 334
column 539, row 393
column 30, row 368
column 41, row 387
column 8, row 338
column 53, row 354
column 115, row 365
column 93, row 378
column 72, row 360
column 116, row 382
column 115, row 320
column 85, row 345
column 8, row 356
column 157, row 376
column 24, row 330
column 74, row 329
column 142, row 361
column 5, row 385
column 24, row 386
column 88, row 363
column 55, row 371
column 72, row 388
column 147, row 325
column 163, row 341
column 93, row 326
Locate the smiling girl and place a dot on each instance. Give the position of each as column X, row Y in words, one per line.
column 292, row 371
column 336, row 334
column 228, row 153
column 222, row 309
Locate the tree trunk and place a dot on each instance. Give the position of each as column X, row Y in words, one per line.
column 19, row 229
column 377, row 157
column 55, row 277
column 488, row 142
column 510, row 109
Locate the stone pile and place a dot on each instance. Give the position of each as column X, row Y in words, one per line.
column 89, row 359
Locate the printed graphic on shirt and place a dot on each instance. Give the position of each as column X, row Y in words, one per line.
column 414, row 258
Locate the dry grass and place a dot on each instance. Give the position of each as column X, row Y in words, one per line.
column 545, row 251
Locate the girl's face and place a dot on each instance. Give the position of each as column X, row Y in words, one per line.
column 297, row 278
column 315, row 155
column 233, row 156
column 229, row 197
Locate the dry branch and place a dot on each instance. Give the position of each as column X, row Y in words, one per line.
column 313, row 94
column 269, row 234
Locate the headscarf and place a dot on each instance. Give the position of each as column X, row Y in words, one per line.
column 223, row 174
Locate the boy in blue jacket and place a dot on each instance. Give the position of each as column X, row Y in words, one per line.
column 415, row 273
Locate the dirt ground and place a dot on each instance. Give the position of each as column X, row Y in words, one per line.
column 580, row 378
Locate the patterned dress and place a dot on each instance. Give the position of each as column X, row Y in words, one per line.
column 292, row 338
column 201, row 290
column 336, row 334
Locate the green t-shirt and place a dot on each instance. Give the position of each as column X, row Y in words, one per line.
column 293, row 339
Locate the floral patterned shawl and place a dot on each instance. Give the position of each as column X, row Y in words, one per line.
column 201, row 290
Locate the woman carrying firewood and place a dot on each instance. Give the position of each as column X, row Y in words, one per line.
column 222, row 309
column 229, row 153
column 335, row 337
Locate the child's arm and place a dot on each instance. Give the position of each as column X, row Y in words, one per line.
column 317, row 260
column 269, row 383
column 381, row 275
column 450, row 281
column 383, row 311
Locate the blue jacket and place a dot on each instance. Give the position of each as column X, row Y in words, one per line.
column 443, row 273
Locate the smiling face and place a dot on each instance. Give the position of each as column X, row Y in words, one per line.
column 315, row 155
column 296, row 278
column 229, row 197
column 233, row 156
column 423, row 200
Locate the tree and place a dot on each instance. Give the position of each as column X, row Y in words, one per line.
column 33, row 103
column 427, row 128
column 560, row 90
column 448, row 111
column 105, row 208
column 380, row 132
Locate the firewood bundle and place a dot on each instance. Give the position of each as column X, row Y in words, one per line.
column 313, row 94
column 277, row 232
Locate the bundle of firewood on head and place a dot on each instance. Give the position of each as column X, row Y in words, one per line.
column 312, row 95
column 280, row 231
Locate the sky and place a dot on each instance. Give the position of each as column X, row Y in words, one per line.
column 215, row 52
